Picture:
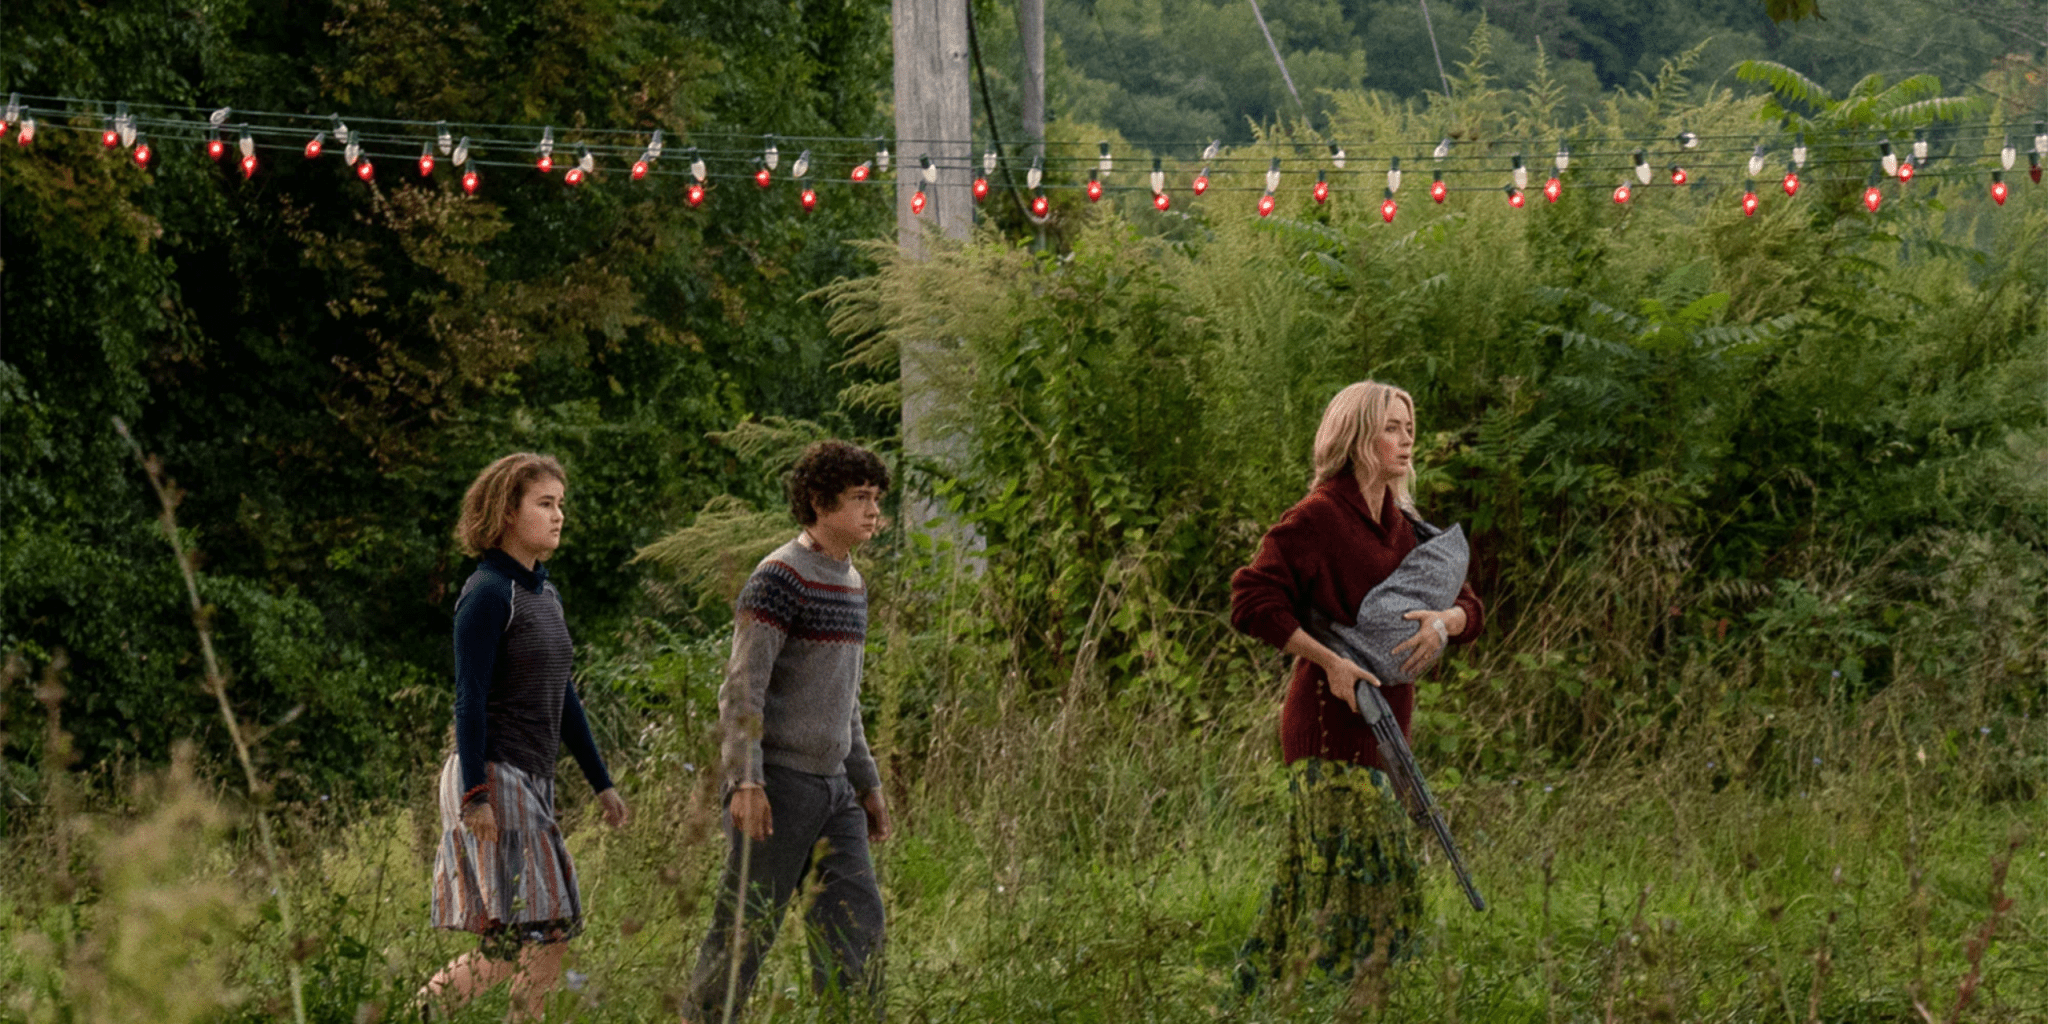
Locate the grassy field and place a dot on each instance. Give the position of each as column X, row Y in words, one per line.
column 1098, row 867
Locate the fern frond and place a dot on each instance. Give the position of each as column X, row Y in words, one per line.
column 1941, row 108
column 1784, row 82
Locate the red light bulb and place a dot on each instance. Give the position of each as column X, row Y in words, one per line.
column 469, row 182
column 1621, row 193
column 545, row 163
column 1553, row 189
column 1201, row 183
column 762, row 177
column 1749, row 204
column 809, row 200
column 1998, row 192
column 364, row 170
column 142, row 156
column 426, row 165
column 1791, row 183
column 1438, row 191
column 694, row 195
column 1094, row 191
column 249, row 166
column 1872, row 197
column 1160, row 202
column 1905, row 172
column 574, row 177
column 1321, row 192
column 1266, row 205
column 313, row 149
column 860, row 173
column 980, row 189
column 110, row 138
column 214, row 148
column 1387, row 210
column 917, row 202
column 1678, row 176
column 639, row 169
column 1040, row 206
column 1515, row 198
column 2034, row 170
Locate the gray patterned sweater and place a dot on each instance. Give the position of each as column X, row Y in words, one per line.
column 792, row 688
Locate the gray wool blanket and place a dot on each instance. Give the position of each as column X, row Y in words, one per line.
column 1428, row 579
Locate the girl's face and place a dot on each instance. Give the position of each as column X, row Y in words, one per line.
column 535, row 529
column 1393, row 446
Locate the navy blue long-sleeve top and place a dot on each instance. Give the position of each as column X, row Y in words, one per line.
column 514, row 700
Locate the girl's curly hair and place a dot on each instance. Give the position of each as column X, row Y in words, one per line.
column 495, row 495
column 824, row 472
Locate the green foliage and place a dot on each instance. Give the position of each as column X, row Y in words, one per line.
column 324, row 365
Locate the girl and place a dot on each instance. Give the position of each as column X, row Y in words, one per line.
column 1347, row 891
column 502, row 870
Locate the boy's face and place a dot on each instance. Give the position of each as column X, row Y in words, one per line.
column 856, row 518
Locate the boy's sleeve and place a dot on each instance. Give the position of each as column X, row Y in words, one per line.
column 860, row 762
column 480, row 619
column 768, row 607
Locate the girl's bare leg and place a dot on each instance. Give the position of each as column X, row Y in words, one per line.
column 540, row 970
column 465, row 978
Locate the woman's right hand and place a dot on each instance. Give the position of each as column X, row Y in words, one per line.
column 1343, row 676
column 481, row 821
column 750, row 813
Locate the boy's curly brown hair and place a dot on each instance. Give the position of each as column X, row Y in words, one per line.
column 824, row 472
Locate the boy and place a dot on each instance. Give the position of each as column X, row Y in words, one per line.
column 795, row 757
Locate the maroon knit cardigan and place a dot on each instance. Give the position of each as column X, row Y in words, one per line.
column 1326, row 553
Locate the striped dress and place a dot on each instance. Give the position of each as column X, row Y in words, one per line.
column 515, row 709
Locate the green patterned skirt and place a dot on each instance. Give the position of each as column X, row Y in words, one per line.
column 1348, row 891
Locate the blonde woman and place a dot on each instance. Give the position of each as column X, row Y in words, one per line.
column 1347, row 890
column 502, row 870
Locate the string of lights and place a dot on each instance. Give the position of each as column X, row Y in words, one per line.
column 1686, row 161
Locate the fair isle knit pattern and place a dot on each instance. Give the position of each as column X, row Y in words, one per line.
column 792, row 689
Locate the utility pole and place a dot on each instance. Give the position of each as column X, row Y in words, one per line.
column 1031, row 26
column 934, row 118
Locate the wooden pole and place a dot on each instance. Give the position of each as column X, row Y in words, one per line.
column 934, row 119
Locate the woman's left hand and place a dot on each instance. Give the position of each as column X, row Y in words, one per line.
column 1433, row 632
column 614, row 807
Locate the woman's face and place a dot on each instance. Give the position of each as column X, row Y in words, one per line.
column 535, row 529
column 1393, row 446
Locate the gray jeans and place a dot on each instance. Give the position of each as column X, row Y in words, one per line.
column 818, row 823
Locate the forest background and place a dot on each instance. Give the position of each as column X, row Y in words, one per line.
column 1759, row 503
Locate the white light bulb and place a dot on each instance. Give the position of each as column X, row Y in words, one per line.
column 1103, row 163
column 1887, row 159
column 696, row 165
column 1208, row 152
column 461, row 151
column 1756, row 160
column 1158, row 178
column 1919, row 147
column 1642, row 167
column 547, row 141
column 927, row 171
column 1394, row 176
column 247, row 144
column 654, row 147
column 2007, row 155
column 1337, row 156
column 587, row 162
column 1443, row 149
column 771, row 156
column 1273, row 176
column 350, row 153
column 1799, row 151
column 881, row 157
column 802, row 165
column 1564, row 157
column 340, row 132
column 2040, row 138
column 446, row 139
column 13, row 108
column 219, row 117
column 1688, row 140
column 1520, row 175
column 1036, row 174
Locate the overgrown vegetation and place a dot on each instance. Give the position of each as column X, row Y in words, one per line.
column 1760, row 508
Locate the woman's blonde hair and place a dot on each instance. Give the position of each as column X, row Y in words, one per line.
column 495, row 495
column 1350, row 422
